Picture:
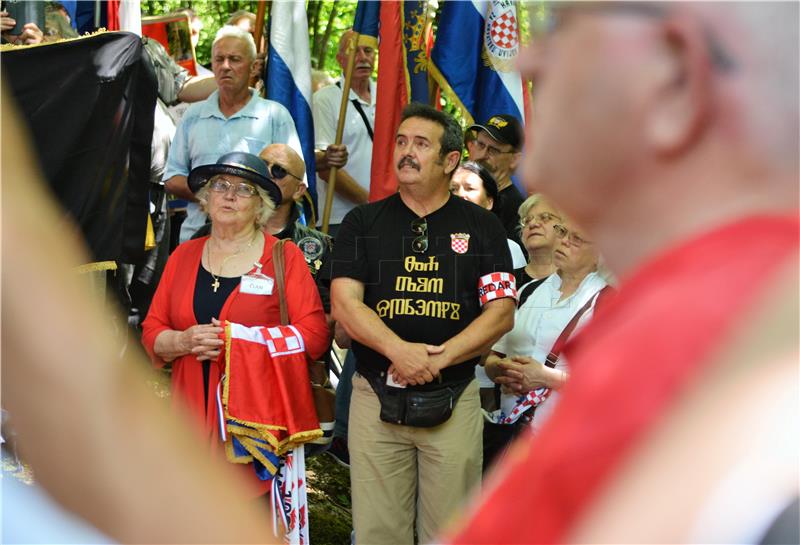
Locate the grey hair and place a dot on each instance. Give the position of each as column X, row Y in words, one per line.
column 262, row 214
column 529, row 203
column 532, row 201
column 230, row 31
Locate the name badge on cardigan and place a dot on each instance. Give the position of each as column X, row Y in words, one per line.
column 257, row 284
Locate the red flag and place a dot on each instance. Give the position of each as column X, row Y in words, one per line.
column 113, row 14
column 392, row 97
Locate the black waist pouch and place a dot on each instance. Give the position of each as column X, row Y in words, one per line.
column 417, row 408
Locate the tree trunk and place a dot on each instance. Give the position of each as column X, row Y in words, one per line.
column 314, row 7
column 327, row 36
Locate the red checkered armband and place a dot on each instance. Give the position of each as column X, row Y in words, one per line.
column 496, row 286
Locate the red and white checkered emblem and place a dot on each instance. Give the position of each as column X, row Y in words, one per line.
column 459, row 242
column 496, row 286
column 283, row 340
column 504, row 31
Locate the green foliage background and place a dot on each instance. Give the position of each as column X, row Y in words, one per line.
column 327, row 20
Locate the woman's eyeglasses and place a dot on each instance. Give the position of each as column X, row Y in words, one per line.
column 575, row 240
column 544, row 218
column 420, row 228
column 221, row 185
column 278, row 172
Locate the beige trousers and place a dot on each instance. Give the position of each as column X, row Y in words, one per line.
column 401, row 475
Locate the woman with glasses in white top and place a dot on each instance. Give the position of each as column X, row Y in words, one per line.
column 525, row 361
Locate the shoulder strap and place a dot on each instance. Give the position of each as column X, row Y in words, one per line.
column 280, row 278
column 558, row 346
column 361, row 112
column 528, row 289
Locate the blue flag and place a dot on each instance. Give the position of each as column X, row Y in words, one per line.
column 367, row 19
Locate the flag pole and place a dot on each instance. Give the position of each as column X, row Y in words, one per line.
column 351, row 57
column 262, row 10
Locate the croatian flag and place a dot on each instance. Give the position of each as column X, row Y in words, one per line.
column 289, row 76
column 473, row 59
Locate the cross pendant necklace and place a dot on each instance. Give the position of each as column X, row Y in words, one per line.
column 215, row 284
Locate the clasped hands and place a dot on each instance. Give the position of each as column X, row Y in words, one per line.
column 416, row 363
column 522, row 374
column 202, row 340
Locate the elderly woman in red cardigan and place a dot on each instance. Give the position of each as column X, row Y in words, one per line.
column 227, row 276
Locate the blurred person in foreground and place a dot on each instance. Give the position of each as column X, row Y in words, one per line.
column 669, row 131
column 229, row 276
column 526, row 361
column 96, row 437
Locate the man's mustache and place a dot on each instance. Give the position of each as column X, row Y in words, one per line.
column 407, row 161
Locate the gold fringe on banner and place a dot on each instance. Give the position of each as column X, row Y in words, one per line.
column 13, row 47
column 96, row 266
column 445, row 87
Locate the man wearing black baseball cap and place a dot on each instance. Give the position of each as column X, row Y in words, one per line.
column 498, row 146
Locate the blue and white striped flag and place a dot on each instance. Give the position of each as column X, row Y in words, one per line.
column 289, row 76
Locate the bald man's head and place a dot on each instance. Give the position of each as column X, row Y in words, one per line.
column 287, row 169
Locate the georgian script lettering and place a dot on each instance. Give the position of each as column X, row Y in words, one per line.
column 443, row 310
column 419, row 285
column 412, row 265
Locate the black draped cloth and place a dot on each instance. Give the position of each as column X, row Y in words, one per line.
column 89, row 105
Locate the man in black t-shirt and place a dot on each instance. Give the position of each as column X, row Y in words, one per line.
column 422, row 286
column 498, row 146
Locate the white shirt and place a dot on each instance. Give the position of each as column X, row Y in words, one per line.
column 537, row 325
column 325, row 108
column 517, row 256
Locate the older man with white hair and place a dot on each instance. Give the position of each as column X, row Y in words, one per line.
column 233, row 118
